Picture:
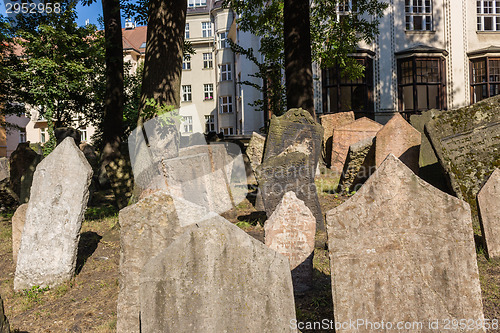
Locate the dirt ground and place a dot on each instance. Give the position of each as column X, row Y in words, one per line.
column 88, row 302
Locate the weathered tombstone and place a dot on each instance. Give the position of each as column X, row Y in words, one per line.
column 399, row 138
column 163, row 139
column 289, row 172
column 290, row 231
column 59, row 196
column 467, row 144
column 62, row 133
column 4, row 168
column 146, row 228
column 255, row 150
column 22, row 160
column 296, row 130
column 330, row 122
column 348, row 134
column 216, row 278
column 488, row 200
column 27, row 179
column 4, row 323
column 91, row 155
column 359, row 165
column 8, row 199
column 18, row 221
column 197, row 139
column 395, row 258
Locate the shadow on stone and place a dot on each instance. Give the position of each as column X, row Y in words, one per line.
column 435, row 175
column 88, row 243
column 254, row 218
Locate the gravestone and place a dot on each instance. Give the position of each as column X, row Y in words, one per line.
column 216, row 278
column 8, row 199
column 348, row 134
column 119, row 172
column 62, row 133
column 255, row 150
column 488, row 200
column 399, row 138
column 330, row 122
column 91, row 155
column 290, row 231
column 289, row 172
column 396, row 258
column 467, row 144
column 4, row 323
column 4, row 168
column 147, row 228
column 22, row 160
column 27, row 179
column 59, row 196
column 358, row 167
column 427, row 154
column 163, row 140
column 296, row 130
column 18, row 221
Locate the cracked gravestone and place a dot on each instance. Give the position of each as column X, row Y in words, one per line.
column 348, row 134
column 216, row 278
column 396, row 258
column 488, row 200
column 290, row 231
column 18, row 221
column 467, row 144
column 59, row 196
column 330, row 122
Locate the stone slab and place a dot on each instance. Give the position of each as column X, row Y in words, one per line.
column 396, row 258
column 4, row 168
column 59, row 196
column 348, row 134
column 4, row 323
column 488, row 200
column 20, row 162
column 427, row 154
column 289, row 172
column 359, row 165
column 330, row 122
column 467, row 144
column 290, row 231
column 216, row 278
column 18, row 221
column 399, row 138
column 27, row 179
column 255, row 150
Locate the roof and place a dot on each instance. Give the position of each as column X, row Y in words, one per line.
column 420, row 48
column 489, row 49
column 133, row 39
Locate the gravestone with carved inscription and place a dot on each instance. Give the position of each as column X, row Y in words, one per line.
column 467, row 144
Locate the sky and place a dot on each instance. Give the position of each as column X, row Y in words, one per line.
column 90, row 13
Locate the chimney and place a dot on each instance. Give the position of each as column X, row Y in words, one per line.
column 129, row 25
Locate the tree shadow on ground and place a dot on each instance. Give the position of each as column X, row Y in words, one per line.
column 87, row 245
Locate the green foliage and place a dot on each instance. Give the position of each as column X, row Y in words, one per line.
column 167, row 114
column 101, row 212
column 33, row 293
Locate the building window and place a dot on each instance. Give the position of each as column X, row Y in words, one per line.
column 186, row 31
column 485, row 78
column 188, row 124
column 209, row 123
column 488, row 15
column 83, row 134
column 208, row 90
column 186, row 63
column 207, row 60
column 418, row 15
column 421, row 84
column 343, row 94
column 186, row 93
column 225, row 104
column 22, row 135
column 206, row 29
column 225, row 72
column 43, row 135
column 222, row 40
column 197, row 3
column 227, row 130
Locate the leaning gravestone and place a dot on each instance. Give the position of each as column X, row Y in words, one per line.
column 395, row 258
column 358, row 167
column 4, row 323
column 399, row 138
column 467, row 144
column 418, row 121
column 289, row 172
column 255, row 150
column 348, row 134
column 49, row 242
column 290, row 231
column 296, row 130
column 330, row 122
column 216, row 278
column 488, row 200
column 22, row 160
column 18, row 221
column 4, row 168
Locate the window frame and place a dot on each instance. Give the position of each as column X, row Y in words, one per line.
column 208, row 92
column 186, row 31
column 222, row 41
column 418, row 8
column 187, row 124
column 493, row 13
column 229, row 129
column 209, row 123
column 186, row 63
column 208, row 61
column 187, row 93
column 196, row 3
column 488, row 81
column 206, row 32
column 225, row 72
column 226, row 101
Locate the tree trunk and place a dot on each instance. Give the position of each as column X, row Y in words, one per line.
column 113, row 100
column 298, row 68
column 164, row 52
